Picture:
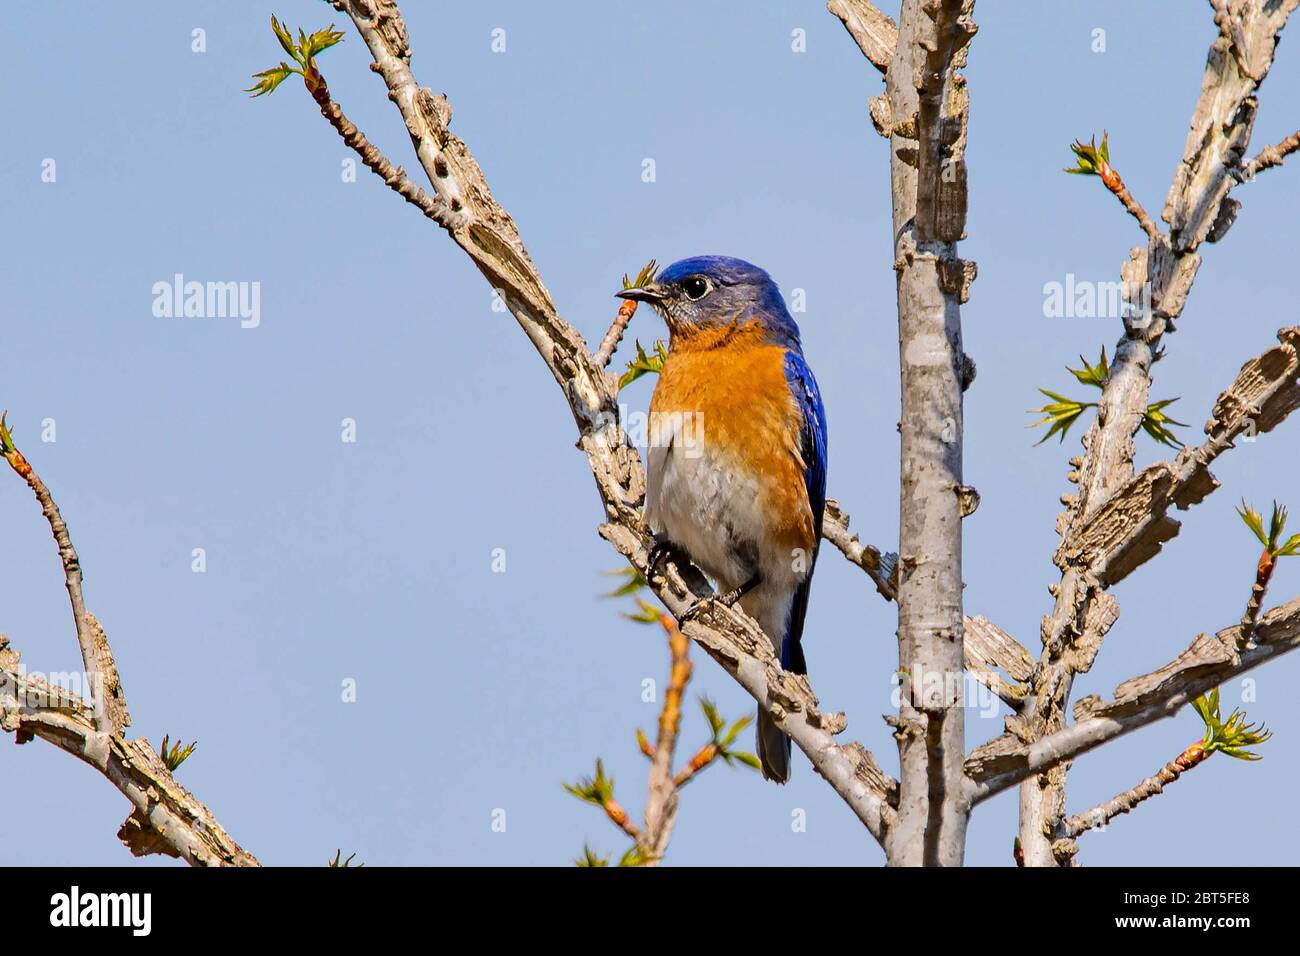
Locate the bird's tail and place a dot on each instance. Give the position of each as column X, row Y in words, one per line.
column 773, row 749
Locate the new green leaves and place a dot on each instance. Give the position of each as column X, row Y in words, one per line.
column 643, row 277
column 597, row 789
column 173, row 755
column 644, row 364
column 6, row 436
column 1062, row 412
column 722, row 737
column 1091, row 160
column 1270, row 539
column 1155, row 423
column 302, row 51
column 1232, row 736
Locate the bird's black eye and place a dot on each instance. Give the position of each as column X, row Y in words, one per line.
column 695, row 287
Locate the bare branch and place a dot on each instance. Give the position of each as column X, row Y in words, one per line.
column 872, row 30
column 94, row 647
column 929, row 105
column 394, row 177
column 881, row 567
column 1132, row 526
column 1157, row 281
column 1122, row 803
column 1269, row 156
column 167, row 818
column 987, row 646
column 1138, row 702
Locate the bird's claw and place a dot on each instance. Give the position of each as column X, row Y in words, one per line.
column 726, row 599
column 658, row 553
column 696, row 609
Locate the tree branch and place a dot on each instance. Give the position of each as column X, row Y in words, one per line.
column 93, row 650
column 167, row 818
column 1157, row 281
column 1124, row 802
column 1268, row 157
column 1138, row 702
column 929, row 104
column 394, row 177
column 882, row 568
column 872, row 30
column 661, row 794
column 1132, row 526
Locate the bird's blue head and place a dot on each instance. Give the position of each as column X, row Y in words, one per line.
column 707, row 292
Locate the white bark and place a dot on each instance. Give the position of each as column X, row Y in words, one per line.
column 928, row 103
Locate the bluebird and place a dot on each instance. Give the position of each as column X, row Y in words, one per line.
column 737, row 472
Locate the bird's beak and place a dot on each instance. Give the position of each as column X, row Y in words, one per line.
column 651, row 293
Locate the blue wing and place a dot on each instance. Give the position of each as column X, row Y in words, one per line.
column 813, row 449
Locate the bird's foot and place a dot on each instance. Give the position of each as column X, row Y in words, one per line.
column 725, row 599
column 660, row 551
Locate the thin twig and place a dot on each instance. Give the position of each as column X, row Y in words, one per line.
column 394, row 177
column 609, row 344
column 661, row 791
column 72, row 579
column 1250, row 620
column 1121, row 803
column 1269, row 156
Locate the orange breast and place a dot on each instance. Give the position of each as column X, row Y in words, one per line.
column 735, row 383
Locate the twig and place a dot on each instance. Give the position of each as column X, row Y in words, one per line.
column 881, row 567
column 90, row 654
column 1269, row 156
column 703, row 758
column 619, row 816
column 394, row 177
column 661, row 793
column 609, row 344
column 1250, row 620
column 1114, row 182
column 1121, row 803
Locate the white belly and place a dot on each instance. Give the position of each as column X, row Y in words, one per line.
column 710, row 510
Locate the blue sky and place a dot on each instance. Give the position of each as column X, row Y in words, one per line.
column 371, row 560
